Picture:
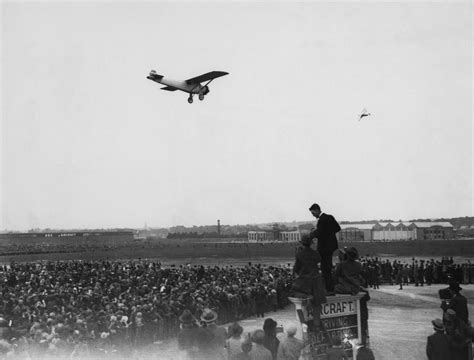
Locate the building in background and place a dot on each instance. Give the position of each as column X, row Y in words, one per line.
column 290, row 236
column 396, row 231
column 274, row 233
column 434, row 230
column 355, row 232
column 260, row 236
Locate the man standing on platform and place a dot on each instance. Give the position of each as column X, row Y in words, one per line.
column 325, row 232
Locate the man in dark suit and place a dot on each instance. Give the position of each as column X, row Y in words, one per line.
column 325, row 232
column 457, row 302
column 437, row 346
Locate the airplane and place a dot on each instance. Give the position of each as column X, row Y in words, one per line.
column 364, row 113
column 191, row 86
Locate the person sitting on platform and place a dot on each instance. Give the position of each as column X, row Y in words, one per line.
column 308, row 279
column 348, row 273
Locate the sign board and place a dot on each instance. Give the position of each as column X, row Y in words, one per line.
column 340, row 318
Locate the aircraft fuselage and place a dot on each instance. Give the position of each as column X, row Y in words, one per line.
column 180, row 85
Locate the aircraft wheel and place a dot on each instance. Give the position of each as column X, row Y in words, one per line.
column 190, row 100
column 201, row 97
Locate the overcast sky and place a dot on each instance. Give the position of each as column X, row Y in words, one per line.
column 88, row 141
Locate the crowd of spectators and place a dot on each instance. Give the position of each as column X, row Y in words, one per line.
column 78, row 308
column 112, row 307
column 417, row 272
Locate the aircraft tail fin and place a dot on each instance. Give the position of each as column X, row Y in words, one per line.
column 154, row 76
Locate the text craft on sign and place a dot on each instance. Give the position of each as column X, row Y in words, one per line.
column 339, row 308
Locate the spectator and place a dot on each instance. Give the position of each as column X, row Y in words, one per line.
column 188, row 336
column 336, row 350
column 458, row 335
column 290, row 348
column 245, row 353
column 234, row 343
column 270, row 340
column 437, row 346
column 212, row 342
column 457, row 302
column 259, row 351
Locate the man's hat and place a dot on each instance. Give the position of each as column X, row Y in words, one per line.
column 454, row 285
column 269, row 324
column 438, row 324
column 186, row 317
column 208, row 315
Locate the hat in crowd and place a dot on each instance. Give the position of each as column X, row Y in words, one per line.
column 291, row 329
column 235, row 329
column 352, row 253
column 208, row 315
column 258, row 336
column 186, row 317
column 306, row 240
column 269, row 324
column 454, row 285
column 438, row 324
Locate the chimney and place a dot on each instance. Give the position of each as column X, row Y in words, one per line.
column 219, row 227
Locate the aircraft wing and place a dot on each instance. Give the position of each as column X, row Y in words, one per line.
column 205, row 77
column 169, row 88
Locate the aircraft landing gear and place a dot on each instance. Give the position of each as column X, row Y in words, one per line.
column 190, row 99
column 201, row 97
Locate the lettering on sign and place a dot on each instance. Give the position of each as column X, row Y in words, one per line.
column 340, row 322
column 344, row 307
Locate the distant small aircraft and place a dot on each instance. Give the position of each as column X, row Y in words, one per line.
column 363, row 114
column 191, row 86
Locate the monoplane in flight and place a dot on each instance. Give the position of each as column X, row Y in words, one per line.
column 363, row 114
column 191, row 86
